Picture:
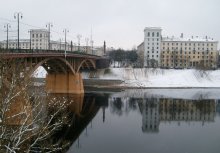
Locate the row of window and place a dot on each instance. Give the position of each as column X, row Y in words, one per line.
column 39, row 35
column 153, row 34
column 188, row 44
column 152, row 56
column 207, row 52
column 185, row 56
column 153, row 39
column 173, row 48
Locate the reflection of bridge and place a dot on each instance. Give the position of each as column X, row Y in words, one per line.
column 63, row 68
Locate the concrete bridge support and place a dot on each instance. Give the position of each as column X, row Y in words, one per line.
column 64, row 83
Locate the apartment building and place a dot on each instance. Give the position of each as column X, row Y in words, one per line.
column 191, row 52
column 178, row 52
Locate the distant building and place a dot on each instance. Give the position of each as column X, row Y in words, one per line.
column 39, row 40
column 178, row 52
column 189, row 53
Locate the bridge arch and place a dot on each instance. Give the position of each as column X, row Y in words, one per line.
column 88, row 63
column 60, row 62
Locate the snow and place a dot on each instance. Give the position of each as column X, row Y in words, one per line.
column 157, row 78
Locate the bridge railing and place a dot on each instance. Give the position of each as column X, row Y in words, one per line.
column 36, row 51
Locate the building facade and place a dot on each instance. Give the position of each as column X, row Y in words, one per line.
column 152, row 44
column 178, row 52
column 189, row 53
column 39, row 39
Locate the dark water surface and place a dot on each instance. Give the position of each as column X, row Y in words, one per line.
column 158, row 121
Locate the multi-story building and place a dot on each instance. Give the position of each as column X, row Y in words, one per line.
column 39, row 39
column 189, row 53
column 172, row 52
column 12, row 44
column 152, row 44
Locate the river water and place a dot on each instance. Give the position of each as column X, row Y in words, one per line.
column 130, row 121
column 151, row 121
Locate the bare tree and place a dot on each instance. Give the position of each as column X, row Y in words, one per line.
column 25, row 122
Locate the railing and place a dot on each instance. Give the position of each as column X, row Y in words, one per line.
column 34, row 51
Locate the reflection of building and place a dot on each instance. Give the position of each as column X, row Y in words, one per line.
column 155, row 111
column 187, row 110
column 150, row 115
column 218, row 107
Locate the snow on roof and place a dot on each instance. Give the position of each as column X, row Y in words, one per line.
column 193, row 39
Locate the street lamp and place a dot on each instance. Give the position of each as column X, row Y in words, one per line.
column 49, row 25
column 79, row 37
column 30, row 38
column 7, row 26
column 65, row 31
column 18, row 16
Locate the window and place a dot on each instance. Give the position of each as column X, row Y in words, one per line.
column 158, row 34
column 33, row 35
column 148, row 34
column 152, row 34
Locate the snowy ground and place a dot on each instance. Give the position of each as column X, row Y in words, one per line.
column 157, row 78
column 165, row 77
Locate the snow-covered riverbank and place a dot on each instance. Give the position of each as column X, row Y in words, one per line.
column 166, row 78
column 160, row 78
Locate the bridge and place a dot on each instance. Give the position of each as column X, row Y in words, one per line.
column 63, row 67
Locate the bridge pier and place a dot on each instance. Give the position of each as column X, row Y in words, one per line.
column 64, row 83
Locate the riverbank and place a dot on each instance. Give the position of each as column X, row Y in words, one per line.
column 164, row 78
column 129, row 78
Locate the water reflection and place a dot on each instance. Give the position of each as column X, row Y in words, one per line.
column 156, row 110
column 47, row 123
column 62, row 123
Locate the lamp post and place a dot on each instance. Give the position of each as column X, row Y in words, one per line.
column 87, row 43
column 79, row 37
column 30, row 38
column 18, row 16
column 49, row 25
column 65, row 31
column 7, row 26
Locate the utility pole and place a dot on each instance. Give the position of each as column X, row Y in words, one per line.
column 79, row 37
column 91, row 42
column 104, row 48
column 87, row 44
column 17, row 16
column 65, row 31
column 49, row 25
column 71, row 45
column 30, row 38
column 7, row 26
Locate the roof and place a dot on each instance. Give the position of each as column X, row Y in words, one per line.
column 193, row 39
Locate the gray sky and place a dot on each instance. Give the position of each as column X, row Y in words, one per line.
column 119, row 22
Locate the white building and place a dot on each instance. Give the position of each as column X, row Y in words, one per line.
column 177, row 52
column 12, row 43
column 39, row 39
column 152, row 43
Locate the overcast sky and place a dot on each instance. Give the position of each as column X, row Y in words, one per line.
column 119, row 22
